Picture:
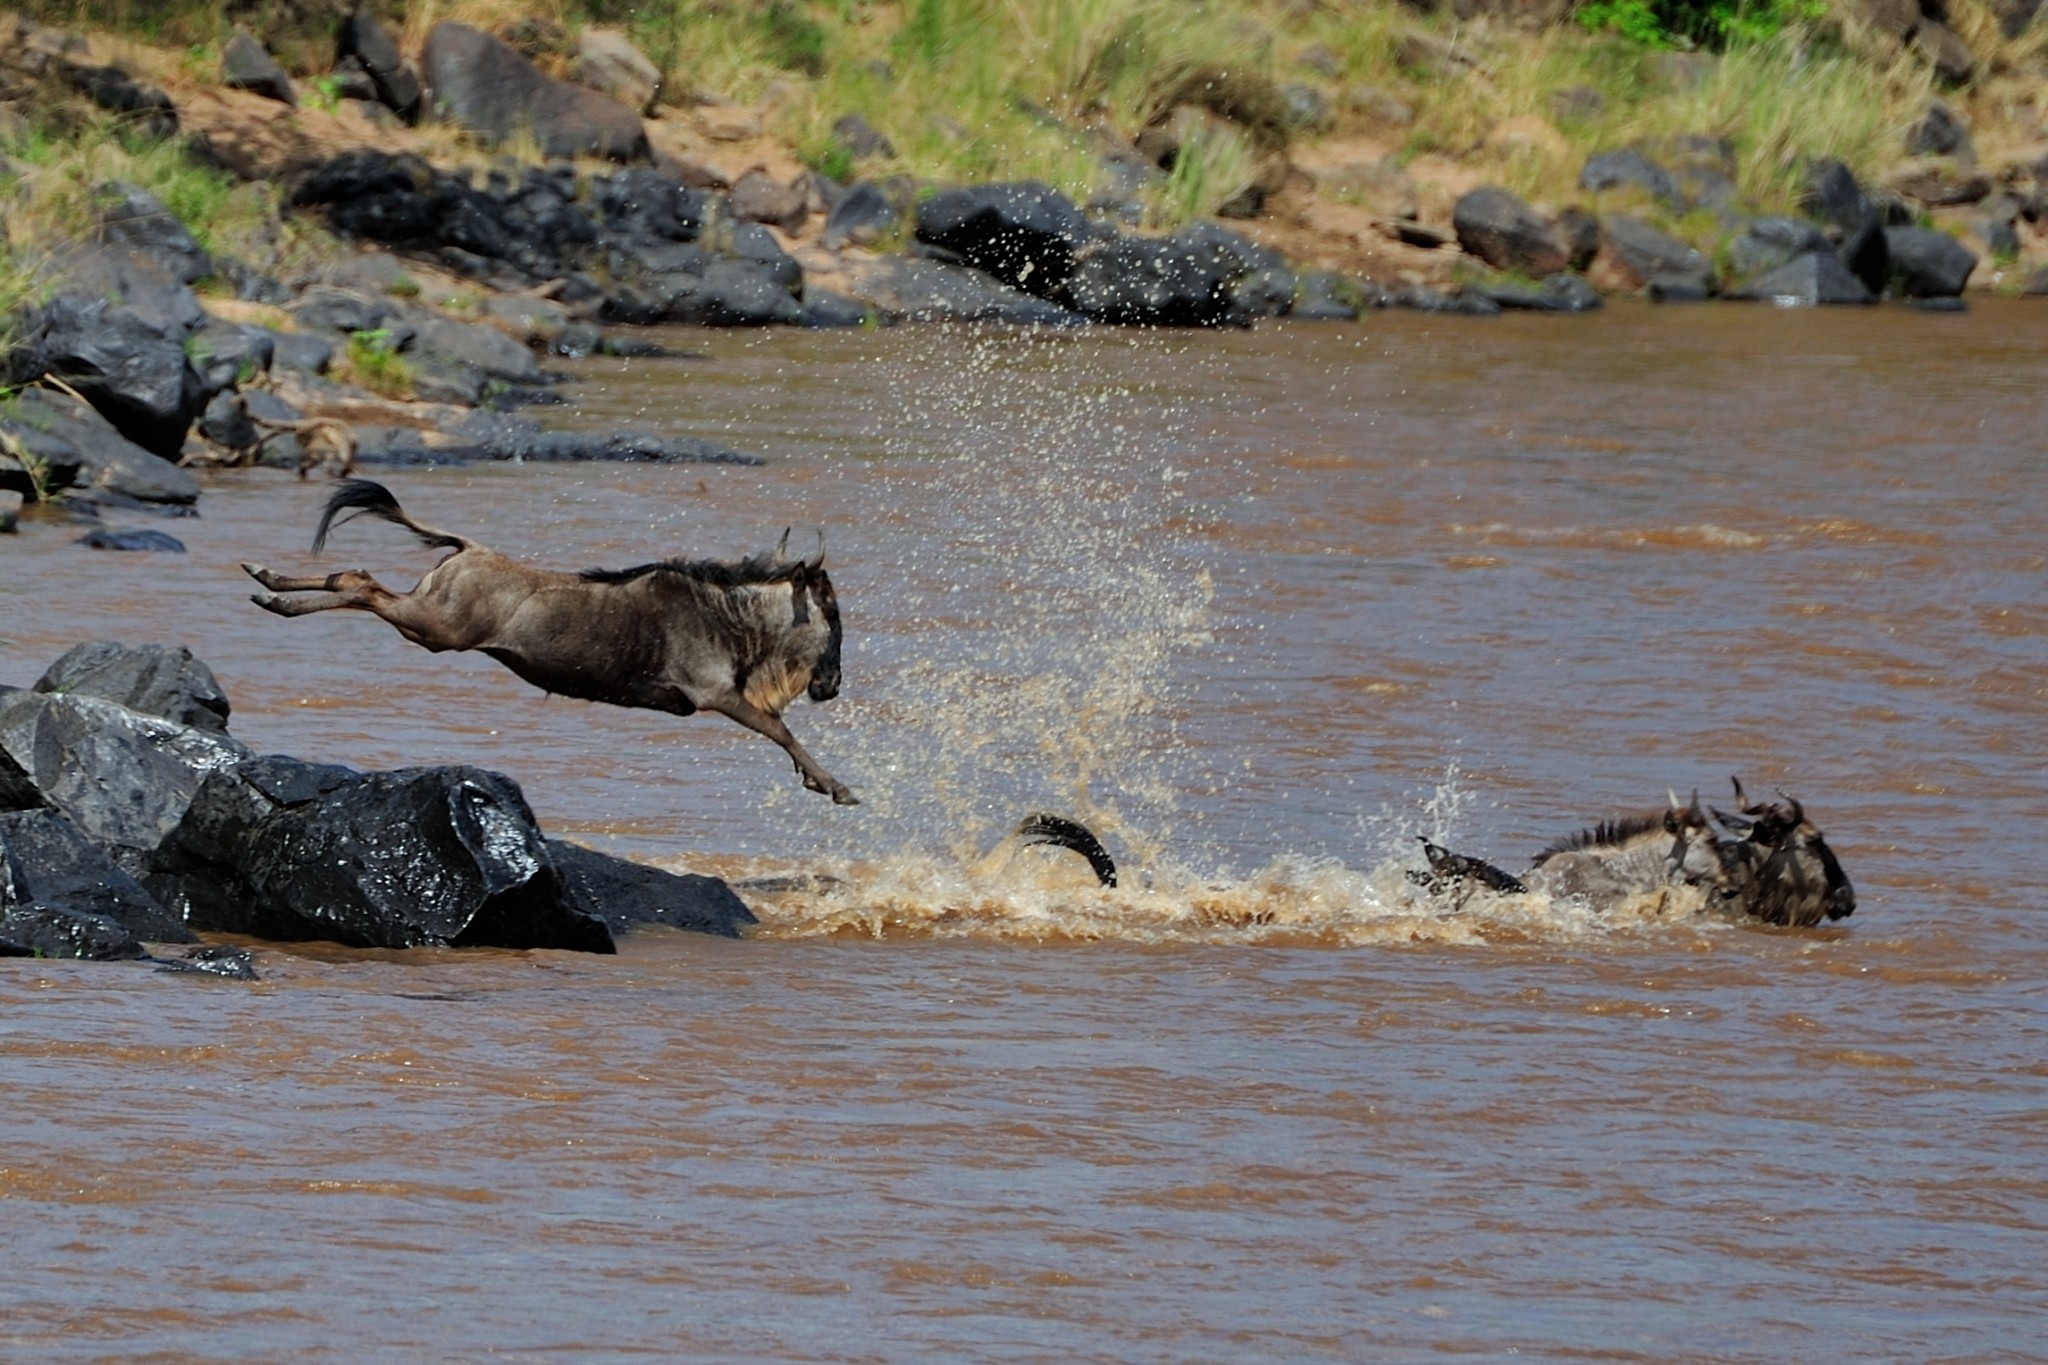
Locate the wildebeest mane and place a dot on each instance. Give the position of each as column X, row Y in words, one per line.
column 716, row 573
column 1606, row 834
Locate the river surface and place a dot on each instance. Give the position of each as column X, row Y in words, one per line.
column 1261, row 608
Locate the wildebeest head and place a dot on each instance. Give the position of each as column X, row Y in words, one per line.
column 1781, row 867
column 1695, row 856
column 810, row 590
column 824, row 677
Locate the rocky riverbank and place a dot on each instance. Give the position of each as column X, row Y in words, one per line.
column 144, row 355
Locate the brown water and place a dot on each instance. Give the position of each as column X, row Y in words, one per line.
column 1261, row 607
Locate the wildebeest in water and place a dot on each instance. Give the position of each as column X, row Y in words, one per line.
column 1768, row 862
column 743, row 639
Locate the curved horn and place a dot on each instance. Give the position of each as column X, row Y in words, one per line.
column 1672, row 792
column 819, row 562
column 782, row 546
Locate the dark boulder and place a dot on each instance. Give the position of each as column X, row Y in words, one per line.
column 133, row 373
column 220, row 959
column 737, row 293
column 448, row 856
column 132, row 281
column 626, row 895
column 136, row 219
column 1866, row 254
column 1831, row 195
column 1327, row 296
column 144, row 108
column 758, row 197
column 123, row 778
column 916, row 290
column 1628, row 168
column 302, row 351
column 1640, row 253
column 165, row 681
column 1024, row 233
column 823, row 308
column 1766, row 243
column 864, row 215
column 244, row 65
column 859, row 139
column 1508, row 234
column 78, row 448
column 32, row 929
column 227, row 355
column 1940, row 133
column 636, row 201
column 396, row 84
column 473, row 345
column 52, row 865
column 1926, row 264
column 1817, row 277
column 1562, row 292
column 383, row 196
column 488, row 87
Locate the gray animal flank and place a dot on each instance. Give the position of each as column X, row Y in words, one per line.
column 743, row 639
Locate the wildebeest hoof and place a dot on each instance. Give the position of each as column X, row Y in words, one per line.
column 841, row 796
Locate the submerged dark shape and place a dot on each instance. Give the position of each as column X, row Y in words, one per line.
column 236, row 964
column 1780, row 869
column 741, row 639
column 1060, row 832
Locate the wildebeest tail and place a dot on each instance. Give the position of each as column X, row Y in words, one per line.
column 359, row 497
column 1058, row 830
column 1447, row 869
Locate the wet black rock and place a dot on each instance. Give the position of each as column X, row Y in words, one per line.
column 124, row 778
column 504, row 436
column 1926, row 264
column 488, row 87
column 1420, row 298
column 79, row 448
column 134, row 542
column 165, row 681
column 134, row 373
column 236, row 964
column 46, row 862
column 1024, row 233
column 32, row 929
column 1817, row 277
column 244, row 65
column 627, row 894
column 1506, row 233
column 1204, row 275
column 281, row 849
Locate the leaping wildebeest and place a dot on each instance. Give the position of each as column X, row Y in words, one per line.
column 742, row 639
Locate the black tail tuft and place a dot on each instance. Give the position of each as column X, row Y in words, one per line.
column 357, row 497
column 1041, row 828
column 1447, row 869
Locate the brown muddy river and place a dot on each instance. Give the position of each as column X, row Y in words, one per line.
column 1262, row 608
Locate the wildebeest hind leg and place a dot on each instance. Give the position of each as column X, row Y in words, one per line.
column 761, row 722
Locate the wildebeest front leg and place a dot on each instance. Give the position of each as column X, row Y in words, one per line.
column 761, row 722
